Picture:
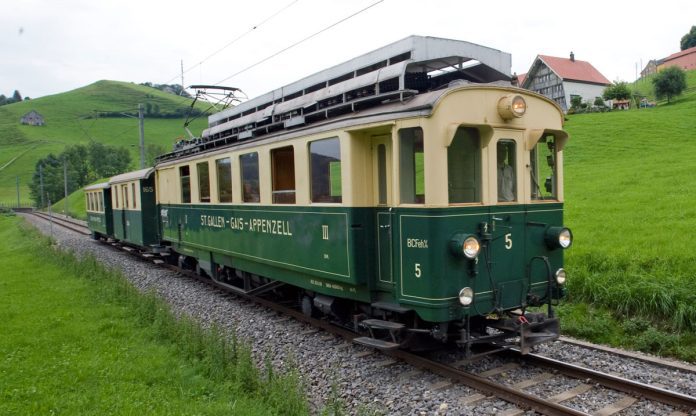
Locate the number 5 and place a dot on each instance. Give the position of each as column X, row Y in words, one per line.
column 508, row 241
column 418, row 270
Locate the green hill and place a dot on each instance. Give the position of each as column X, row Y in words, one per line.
column 72, row 118
column 631, row 203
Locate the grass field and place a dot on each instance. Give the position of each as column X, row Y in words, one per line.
column 631, row 203
column 67, row 123
column 77, row 340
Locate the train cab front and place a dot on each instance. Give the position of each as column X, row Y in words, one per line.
column 507, row 294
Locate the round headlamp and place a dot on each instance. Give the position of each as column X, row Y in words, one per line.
column 511, row 106
column 466, row 296
column 466, row 245
column 561, row 276
column 559, row 237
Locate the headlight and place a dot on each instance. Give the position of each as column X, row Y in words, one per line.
column 560, row 276
column 559, row 237
column 466, row 245
column 511, row 106
column 466, row 296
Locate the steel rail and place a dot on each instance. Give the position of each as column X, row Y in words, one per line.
column 78, row 228
column 631, row 387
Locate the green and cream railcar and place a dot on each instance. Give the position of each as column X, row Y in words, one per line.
column 428, row 201
column 98, row 210
column 400, row 209
column 134, row 211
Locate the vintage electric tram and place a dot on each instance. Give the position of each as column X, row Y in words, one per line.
column 411, row 193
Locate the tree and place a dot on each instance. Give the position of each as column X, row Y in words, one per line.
column 619, row 90
column 575, row 101
column 689, row 40
column 669, row 83
column 17, row 97
column 599, row 102
column 106, row 161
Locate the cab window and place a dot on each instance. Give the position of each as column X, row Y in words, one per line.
column 249, row 165
column 224, row 179
column 464, row 166
column 325, row 170
column 506, row 171
column 203, row 181
column 411, row 164
column 543, row 169
column 185, row 180
column 283, row 174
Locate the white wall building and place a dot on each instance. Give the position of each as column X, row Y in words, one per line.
column 562, row 79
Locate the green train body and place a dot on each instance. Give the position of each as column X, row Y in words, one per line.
column 421, row 210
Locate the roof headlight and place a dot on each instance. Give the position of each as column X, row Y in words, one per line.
column 466, row 245
column 559, row 237
column 561, row 276
column 466, row 296
column 511, row 106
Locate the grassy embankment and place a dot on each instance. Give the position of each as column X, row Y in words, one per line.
column 631, row 202
column 67, row 123
column 77, row 339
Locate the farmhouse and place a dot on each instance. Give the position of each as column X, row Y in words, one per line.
column 32, row 118
column 562, row 79
column 685, row 59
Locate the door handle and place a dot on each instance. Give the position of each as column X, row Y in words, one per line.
column 385, row 226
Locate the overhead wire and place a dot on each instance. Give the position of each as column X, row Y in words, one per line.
column 299, row 42
column 233, row 41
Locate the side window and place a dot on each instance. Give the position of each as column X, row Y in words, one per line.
column 124, row 189
column 223, row 167
column 203, row 181
column 464, row 166
column 249, row 165
column 543, row 169
column 283, row 174
column 185, row 179
column 506, row 171
column 135, row 203
column 411, row 162
column 325, row 170
column 100, row 202
column 115, row 192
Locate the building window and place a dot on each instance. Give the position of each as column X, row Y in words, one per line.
column 464, row 166
column 411, row 163
column 203, row 181
column 283, row 174
column 185, row 179
column 224, row 178
column 249, row 164
column 325, row 170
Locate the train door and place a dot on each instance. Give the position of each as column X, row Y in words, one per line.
column 382, row 197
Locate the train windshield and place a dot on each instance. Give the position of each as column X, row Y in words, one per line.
column 464, row 167
column 543, row 169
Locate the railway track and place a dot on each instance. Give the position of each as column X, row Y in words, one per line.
column 69, row 223
column 499, row 381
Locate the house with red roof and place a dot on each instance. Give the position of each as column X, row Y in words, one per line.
column 685, row 59
column 561, row 79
